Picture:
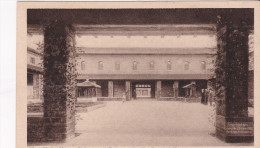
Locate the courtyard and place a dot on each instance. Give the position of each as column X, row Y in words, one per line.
column 147, row 123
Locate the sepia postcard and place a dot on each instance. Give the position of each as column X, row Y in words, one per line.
column 137, row 74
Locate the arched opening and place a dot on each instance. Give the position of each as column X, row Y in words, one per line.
column 186, row 65
column 83, row 66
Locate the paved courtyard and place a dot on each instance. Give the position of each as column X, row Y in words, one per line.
column 147, row 123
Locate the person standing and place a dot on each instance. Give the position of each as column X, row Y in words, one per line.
column 210, row 97
column 206, row 96
column 124, row 97
column 202, row 96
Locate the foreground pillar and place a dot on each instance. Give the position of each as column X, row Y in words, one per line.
column 59, row 82
column 158, row 88
column 110, row 89
column 232, row 121
column 128, row 90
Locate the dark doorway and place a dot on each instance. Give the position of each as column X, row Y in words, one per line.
column 104, row 88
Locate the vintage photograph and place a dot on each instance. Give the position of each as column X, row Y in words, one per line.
column 140, row 77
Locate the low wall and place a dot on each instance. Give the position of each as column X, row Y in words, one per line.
column 179, row 99
column 82, row 107
column 35, row 107
column 109, row 99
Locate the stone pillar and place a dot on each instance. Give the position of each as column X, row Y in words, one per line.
column 158, row 89
column 36, row 86
column 176, row 89
column 193, row 89
column 232, row 121
column 110, row 89
column 59, row 78
column 128, row 89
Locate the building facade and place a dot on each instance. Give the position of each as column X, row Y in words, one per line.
column 146, row 61
column 34, row 74
column 143, row 61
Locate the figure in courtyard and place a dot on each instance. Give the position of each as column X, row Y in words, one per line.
column 124, row 97
column 202, row 96
column 211, row 96
column 206, row 96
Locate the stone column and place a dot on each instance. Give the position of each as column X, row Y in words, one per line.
column 193, row 89
column 158, row 89
column 59, row 78
column 110, row 89
column 36, row 86
column 128, row 89
column 232, row 121
column 176, row 88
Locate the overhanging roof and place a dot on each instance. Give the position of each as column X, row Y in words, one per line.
column 147, row 51
column 145, row 76
column 29, row 49
column 132, row 30
column 190, row 86
column 34, row 68
column 87, row 84
column 154, row 29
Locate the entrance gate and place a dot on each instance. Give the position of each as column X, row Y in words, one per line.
column 143, row 90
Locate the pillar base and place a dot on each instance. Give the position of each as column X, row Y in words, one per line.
column 235, row 129
column 41, row 129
